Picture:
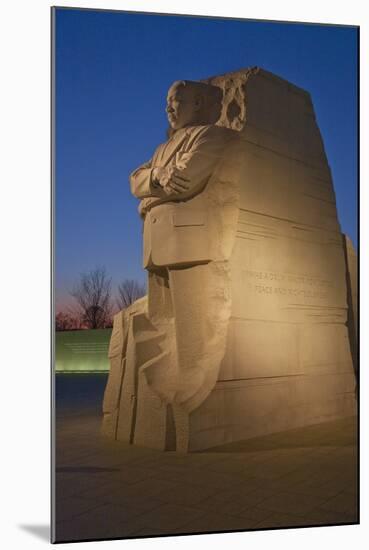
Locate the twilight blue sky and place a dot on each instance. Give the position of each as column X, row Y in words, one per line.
column 113, row 70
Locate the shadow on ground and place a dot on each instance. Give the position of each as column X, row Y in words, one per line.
column 40, row 531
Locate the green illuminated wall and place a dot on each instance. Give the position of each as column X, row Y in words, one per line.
column 82, row 350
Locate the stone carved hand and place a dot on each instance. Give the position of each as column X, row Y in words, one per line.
column 170, row 179
column 145, row 205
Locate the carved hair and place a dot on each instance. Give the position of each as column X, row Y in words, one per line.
column 211, row 96
column 209, row 93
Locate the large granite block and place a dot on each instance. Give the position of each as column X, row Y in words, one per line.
column 258, row 333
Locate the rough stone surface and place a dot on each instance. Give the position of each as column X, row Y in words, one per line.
column 352, row 298
column 250, row 319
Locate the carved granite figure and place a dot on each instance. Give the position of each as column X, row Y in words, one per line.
column 248, row 324
column 186, row 254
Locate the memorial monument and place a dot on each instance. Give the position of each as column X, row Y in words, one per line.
column 249, row 323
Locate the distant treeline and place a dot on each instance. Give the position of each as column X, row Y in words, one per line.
column 94, row 303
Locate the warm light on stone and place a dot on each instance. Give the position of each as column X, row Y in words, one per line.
column 249, row 325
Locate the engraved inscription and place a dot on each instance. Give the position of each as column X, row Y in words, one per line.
column 287, row 284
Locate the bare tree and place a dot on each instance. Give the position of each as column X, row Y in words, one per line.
column 93, row 296
column 129, row 291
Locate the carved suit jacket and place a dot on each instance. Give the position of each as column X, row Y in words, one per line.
column 176, row 227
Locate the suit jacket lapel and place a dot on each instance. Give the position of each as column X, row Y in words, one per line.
column 175, row 144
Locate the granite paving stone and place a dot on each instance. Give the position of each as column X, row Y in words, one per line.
column 170, row 516
column 108, row 489
column 215, row 521
column 74, row 507
column 297, row 504
column 342, row 502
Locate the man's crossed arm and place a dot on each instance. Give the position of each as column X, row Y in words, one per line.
column 170, row 179
column 189, row 173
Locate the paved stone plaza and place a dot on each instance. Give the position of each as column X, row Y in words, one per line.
column 107, row 489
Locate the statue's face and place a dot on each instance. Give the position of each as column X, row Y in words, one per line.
column 182, row 106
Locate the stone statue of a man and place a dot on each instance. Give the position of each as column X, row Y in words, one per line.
column 179, row 340
column 178, row 248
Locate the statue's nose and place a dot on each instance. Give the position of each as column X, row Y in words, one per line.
column 169, row 109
